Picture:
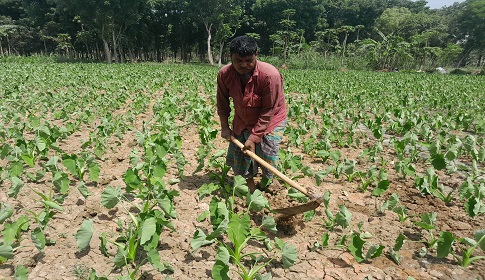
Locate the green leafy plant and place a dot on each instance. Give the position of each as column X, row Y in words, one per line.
column 427, row 224
column 393, row 252
column 466, row 247
column 239, row 231
column 342, row 218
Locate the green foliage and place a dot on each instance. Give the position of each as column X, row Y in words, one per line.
column 427, row 127
column 239, row 231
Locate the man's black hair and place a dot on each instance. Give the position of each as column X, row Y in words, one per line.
column 244, row 46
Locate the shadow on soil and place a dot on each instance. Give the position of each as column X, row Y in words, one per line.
column 194, row 181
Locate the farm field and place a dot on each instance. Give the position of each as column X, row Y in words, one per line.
column 117, row 172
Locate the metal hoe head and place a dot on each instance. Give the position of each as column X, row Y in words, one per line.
column 314, row 202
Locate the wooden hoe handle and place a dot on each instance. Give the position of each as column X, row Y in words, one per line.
column 271, row 168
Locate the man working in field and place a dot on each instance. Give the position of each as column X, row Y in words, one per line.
column 256, row 89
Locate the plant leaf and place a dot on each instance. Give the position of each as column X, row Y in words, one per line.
column 148, row 229
column 52, row 204
column 289, row 255
column 84, row 235
column 83, row 190
column 199, row 240
column 38, row 238
column 395, row 256
column 479, row 237
column 103, row 244
column 356, row 247
column 21, row 273
column 16, row 169
column 6, row 212
column 238, row 228
column 325, row 238
column 220, row 271
column 223, row 255
column 94, row 171
column 207, row 189
column 399, row 242
column 343, row 217
column 155, row 259
column 70, row 164
column 269, row 223
column 202, row 216
column 374, row 251
column 17, row 185
column 221, row 229
column 6, row 251
column 131, row 180
column 445, row 243
column 110, row 197
column 61, row 181
column 257, row 201
column 381, row 188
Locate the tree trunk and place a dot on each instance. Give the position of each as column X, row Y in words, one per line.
column 344, row 45
column 8, row 46
column 221, row 49
column 115, row 47
column 285, row 50
column 97, row 52
column 107, row 51
column 208, row 27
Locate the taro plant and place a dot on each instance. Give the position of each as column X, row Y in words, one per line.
column 462, row 249
column 12, row 232
column 342, row 218
column 405, row 167
column 237, row 229
column 80, row 165
column 474, row 193
column 429, row 184
column 137, row 244
column 394, row 204
column 427, row 224
column 357, row 245
column 394, row 251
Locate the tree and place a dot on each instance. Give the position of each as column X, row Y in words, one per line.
column 287, row 34
column 471, row 23
column 110, row 19
column 228, row 24
column 308, row 16
column 388, row 53
column 222, row 14
column 326, row 41
column 392, row 20
column 353, row 12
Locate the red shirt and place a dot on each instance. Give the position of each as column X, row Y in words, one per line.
column 260, row 108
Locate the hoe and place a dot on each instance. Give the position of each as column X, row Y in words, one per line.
column 315, row 199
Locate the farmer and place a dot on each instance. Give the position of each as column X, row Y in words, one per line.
column 256, row 89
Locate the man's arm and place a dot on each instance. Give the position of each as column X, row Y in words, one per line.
column 223, row 108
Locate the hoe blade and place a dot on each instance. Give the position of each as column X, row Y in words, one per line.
column 294, row 210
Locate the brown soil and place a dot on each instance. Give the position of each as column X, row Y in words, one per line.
column 62, row 261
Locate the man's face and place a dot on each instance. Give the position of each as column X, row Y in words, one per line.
column 243, row 64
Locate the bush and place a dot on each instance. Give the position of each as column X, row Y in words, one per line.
column 458, row 71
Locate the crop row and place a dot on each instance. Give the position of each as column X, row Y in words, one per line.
column 423, row 128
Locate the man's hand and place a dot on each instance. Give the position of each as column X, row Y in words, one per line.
column 226, row 133
column 249, row 146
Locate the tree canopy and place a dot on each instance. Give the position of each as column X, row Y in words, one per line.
column 157, row 30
